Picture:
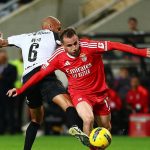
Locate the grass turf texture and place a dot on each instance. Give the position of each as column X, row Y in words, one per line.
column 8, row 142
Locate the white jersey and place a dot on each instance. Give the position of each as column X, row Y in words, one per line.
column 37, row 47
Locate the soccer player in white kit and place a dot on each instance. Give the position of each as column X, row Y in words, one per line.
column 36, row 48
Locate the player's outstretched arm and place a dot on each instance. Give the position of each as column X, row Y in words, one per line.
column 130, row 49
column 32, row 81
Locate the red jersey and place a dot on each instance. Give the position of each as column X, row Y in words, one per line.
column 138, row 100
column 85, row 73
column 115, row 101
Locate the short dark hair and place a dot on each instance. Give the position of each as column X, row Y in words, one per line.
column 69, row 32
column 132, row 19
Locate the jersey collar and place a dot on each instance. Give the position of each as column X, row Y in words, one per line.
column 70, row 56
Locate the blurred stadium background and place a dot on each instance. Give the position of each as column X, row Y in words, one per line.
column 100, row 20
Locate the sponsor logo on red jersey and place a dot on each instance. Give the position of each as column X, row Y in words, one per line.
column 80, row 71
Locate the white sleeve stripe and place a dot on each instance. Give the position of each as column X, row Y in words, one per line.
column 89, row 45
column 44, row 66
column 54, row 55
column 106, row 48
column 83, row 44
column 56, row 51
column 86, row 43
column 92, row 46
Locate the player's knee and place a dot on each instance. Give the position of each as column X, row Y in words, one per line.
column 88, row 119
column 37, row 115
column 37, row 120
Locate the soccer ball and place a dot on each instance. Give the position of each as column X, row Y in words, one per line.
column 100, row 137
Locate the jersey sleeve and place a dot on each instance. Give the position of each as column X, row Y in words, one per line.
column 16, row 40
column 104, row 46
column 126, row 48
column 35, row 79
column 94, row 46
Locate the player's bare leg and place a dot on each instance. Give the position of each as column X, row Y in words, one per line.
column 104, row 121
column 37, row 114
column 88, row 120
column 63, row 100
column 36, row 120
column 85, row 111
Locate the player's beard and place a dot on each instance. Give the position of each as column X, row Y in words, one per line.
column 76, row 53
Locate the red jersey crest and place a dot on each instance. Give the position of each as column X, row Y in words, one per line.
column 83, row 57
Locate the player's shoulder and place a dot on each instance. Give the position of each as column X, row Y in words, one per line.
column 90, row 41
column 59, row 51
column 49, row 34
column 44, row 31
column 39, row 32
column 36, row 33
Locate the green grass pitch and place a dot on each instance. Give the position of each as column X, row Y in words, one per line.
column 8, row 142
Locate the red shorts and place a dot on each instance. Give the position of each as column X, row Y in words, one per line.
column 99, row 103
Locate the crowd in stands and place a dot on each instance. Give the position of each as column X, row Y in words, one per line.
column 8, row 75
column 129, row 91
column 128, row 95
column 8, row 6
column 20, row 1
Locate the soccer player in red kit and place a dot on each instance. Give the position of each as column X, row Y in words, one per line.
column 137, row 97
column 115, row 101
column 82, row 63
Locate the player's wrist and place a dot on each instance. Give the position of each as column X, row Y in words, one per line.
column 18, row 91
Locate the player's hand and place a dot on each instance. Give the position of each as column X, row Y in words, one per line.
column 148, row 52
column 12, row 92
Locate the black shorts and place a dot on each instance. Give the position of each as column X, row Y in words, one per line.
column 45, row 90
